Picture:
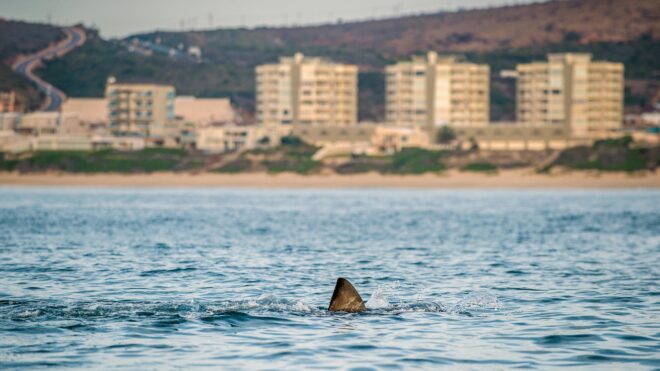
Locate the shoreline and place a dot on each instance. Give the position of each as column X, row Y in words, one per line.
column 521, row 178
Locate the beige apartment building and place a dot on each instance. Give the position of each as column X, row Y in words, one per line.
column 435, row 91
column 136, row 108
column 572, row 90
column 304, row 90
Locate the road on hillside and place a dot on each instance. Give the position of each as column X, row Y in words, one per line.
column 26, row 65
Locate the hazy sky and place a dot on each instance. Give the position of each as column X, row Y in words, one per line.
column 116, row 18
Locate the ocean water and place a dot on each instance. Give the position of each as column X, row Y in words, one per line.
column 241, row 279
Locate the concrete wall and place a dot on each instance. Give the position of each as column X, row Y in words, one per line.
column 323, row 134
column 516, row 137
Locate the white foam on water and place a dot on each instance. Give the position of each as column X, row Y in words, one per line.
column 380, row 298
column 481, row 300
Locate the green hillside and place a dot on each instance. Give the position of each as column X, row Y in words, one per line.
column 616, row 30
column 232, row 73
column 18, row 38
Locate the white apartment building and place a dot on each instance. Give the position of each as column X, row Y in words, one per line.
column 135, row 108
column 304, row 90
column 436, row 91
column 570, row 89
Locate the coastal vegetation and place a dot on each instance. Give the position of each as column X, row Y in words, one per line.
column 607, row 155
column 295, row 156
column 485, row 167
column 406, row 161
column 105, row 161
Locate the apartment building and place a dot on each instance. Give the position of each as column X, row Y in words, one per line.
column 136, row 108
column 435, row 91
column 303, row 90
column 571, row 90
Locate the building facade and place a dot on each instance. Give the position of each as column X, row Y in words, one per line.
column 203, row 112
column 134, row 109
column 229, row 138
column 437, row 91
column 571, row 90
column 304, row 90
column 8, row 101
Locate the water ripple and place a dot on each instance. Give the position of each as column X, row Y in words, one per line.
column 237, row 279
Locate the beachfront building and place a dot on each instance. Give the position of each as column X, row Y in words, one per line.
column 135, row 108
column 434, row 91
column 92, row 112
column 571, row 90
column 230, row 137
column 390, row 139
column 202, row 112
column 304, row 90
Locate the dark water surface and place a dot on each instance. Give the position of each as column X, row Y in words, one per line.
column 159, row 279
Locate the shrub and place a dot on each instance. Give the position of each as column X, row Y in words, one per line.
column 446, row 135
column 236, row 166
column 291, row 140
column 416, row 161
column 623, row 142
column 480, row 167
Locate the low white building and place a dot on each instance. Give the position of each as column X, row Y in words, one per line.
column 390, row 139
column 651, row 118
column 228, row 138
column 203, row 112
column 92, row 112
column 8, row 121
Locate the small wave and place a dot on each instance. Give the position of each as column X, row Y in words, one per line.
column 557, row 340
column 383, row 301
column 265, row 302
column 380, row 297
column 477, row 301
column 167, row 271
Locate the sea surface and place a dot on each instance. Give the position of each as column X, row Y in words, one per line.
column 241, row 279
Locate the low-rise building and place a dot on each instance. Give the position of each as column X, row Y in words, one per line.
column 203, row 112
column 650, row 118
column 48, row 123
column 390, row 139
column 230, row 138
column 8, row 121
column 8, row 101
column 92, row 112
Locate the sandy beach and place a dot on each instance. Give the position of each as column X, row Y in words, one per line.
column 452, row 179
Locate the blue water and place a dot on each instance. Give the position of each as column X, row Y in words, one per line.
column 153, row 279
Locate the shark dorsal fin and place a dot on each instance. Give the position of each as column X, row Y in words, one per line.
column 345, row 298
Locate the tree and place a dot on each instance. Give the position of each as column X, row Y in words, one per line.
column 446, row 135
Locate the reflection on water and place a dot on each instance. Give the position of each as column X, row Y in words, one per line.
column 242, row 279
